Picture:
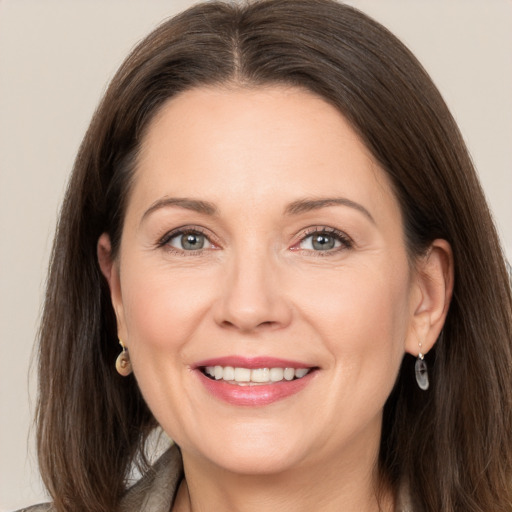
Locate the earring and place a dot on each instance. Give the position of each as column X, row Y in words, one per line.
column 421, row 371
column 123, row 364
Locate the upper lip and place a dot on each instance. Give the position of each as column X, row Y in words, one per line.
column 251, row 362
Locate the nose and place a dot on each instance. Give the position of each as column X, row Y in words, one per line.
column 253, row 296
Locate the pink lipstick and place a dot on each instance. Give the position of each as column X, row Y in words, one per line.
column 254, row 381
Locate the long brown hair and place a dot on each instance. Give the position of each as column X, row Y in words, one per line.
column 453, row 443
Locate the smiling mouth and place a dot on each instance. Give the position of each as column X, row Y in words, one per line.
column 253, row 376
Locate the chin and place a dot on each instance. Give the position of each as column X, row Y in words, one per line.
column 253, row 462
column 252, row 451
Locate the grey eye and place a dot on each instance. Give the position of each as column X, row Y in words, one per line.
column 320, row 241
column 188, row 241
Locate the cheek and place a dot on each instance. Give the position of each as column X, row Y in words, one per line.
column 162, row 311
column 162, row 307
column 363, row 317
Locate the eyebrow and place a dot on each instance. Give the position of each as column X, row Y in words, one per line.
column 203, row 207
column 294, row 208
column 308, row 205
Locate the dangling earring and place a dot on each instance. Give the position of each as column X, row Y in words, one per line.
column 123, row 364
column 421, row 371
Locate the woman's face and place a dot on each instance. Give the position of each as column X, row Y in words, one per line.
column 261, row 243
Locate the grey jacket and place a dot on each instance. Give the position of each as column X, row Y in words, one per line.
column 155, row 492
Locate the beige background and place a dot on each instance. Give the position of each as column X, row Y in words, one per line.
column 56, row 58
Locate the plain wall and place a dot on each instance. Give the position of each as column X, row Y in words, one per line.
column 56, row 58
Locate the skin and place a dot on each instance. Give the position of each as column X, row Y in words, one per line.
column 260, row 288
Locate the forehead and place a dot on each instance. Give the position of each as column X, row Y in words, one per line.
column 259, row 144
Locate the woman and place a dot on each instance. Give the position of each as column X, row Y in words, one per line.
column 274, row 214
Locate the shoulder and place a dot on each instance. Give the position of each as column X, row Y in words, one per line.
column 42, row 507
column 156, row 490
column 152, row 493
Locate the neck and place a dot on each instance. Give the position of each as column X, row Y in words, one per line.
column 329, row 485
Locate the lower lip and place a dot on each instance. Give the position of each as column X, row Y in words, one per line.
column 257, row 395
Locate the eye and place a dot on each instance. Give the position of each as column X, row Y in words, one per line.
column 324, row 240
column 320, row 242
column 186, row 241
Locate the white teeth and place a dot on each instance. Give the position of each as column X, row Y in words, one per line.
column 229, row 373
column 256, row 375
column 289, row 373
column 276, row 374
column 300, row 372
column 242, row 375
column 260, row 375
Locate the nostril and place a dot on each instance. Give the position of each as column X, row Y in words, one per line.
column 227, row 324
column 251, row 310
column 268, row 324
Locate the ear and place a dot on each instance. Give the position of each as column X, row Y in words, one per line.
column 433, row 288
column 110, row 269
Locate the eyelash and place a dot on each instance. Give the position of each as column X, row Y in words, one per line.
column 345, row 241
column 185, row 230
